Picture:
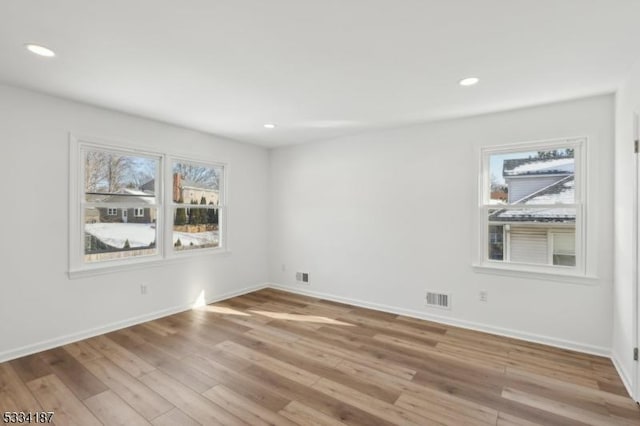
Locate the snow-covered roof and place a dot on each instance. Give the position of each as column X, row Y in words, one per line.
column 535, row 215
column 559, row 193
column 125, row 195
column 537, row 166
column 184, row 183
column 195, row 185
column 133, row 192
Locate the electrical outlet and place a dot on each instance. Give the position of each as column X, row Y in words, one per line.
column 144, row 289
column 483, row 295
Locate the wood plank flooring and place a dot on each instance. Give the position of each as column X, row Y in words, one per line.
column 275, row 358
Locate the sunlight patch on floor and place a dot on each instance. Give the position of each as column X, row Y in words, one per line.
column 301, row 318
column 222, row 310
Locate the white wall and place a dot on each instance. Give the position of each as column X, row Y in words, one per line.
column 376, row 218
column 627, row 102
column 381, row 217
column 39, row 305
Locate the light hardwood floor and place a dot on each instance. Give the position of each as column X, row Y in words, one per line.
column 272, row 357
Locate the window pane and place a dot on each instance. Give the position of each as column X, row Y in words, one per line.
column 108, row 237
column 196, row 227
column 564, row 260
column 496, row 242
column 528, row 244
column 114, row 178
column 532, row 177
column 196, row 184
column 564, row 248
column 532, row 235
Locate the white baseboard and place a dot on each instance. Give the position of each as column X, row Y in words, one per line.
column 624, row 376
column 530, row 337
column 92, row 332
column 551, row 341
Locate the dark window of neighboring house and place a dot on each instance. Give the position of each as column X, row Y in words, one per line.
column 112, row 212
column 138, row 212
column 496, row 242
column 531, row 203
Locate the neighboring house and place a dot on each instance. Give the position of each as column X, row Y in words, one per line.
column 534, row 235
column 499, row 195
column 190, row 191
column 120, row 214
column 187, row 190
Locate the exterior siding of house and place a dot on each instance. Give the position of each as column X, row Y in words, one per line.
column 520, row 187
column 196, row 194
column 188, row 191
column 145, row 218
column 107, row 218
column 533, row 244
column 92, row 215
column 528, row 245
column 148, row 217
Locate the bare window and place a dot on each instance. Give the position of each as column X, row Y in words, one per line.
column 197, row 205
column 531, row 204
column 114, row 181
column 132, row 206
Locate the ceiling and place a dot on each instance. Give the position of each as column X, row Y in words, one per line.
column 317, row 69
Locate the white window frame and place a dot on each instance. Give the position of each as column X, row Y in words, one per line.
column 164, row 204
column 138, row 212
column 481, row 261
column 112, row 211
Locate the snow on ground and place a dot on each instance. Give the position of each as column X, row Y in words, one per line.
column 143, row 234
column 115, row 234
column 197, row 238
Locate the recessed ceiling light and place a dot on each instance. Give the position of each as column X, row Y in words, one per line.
column 269, row 126
column 469, row 81
column 40, row 50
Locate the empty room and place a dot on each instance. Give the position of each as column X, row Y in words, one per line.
column 337, row 212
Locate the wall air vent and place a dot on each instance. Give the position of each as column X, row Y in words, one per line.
column 438, row 300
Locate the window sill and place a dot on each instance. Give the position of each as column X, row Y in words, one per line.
column 144, row 264
column 523, row 272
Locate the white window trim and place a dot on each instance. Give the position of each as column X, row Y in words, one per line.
column 77, row 268
column 481, row 263
column 112, row 212
column 138, row 209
